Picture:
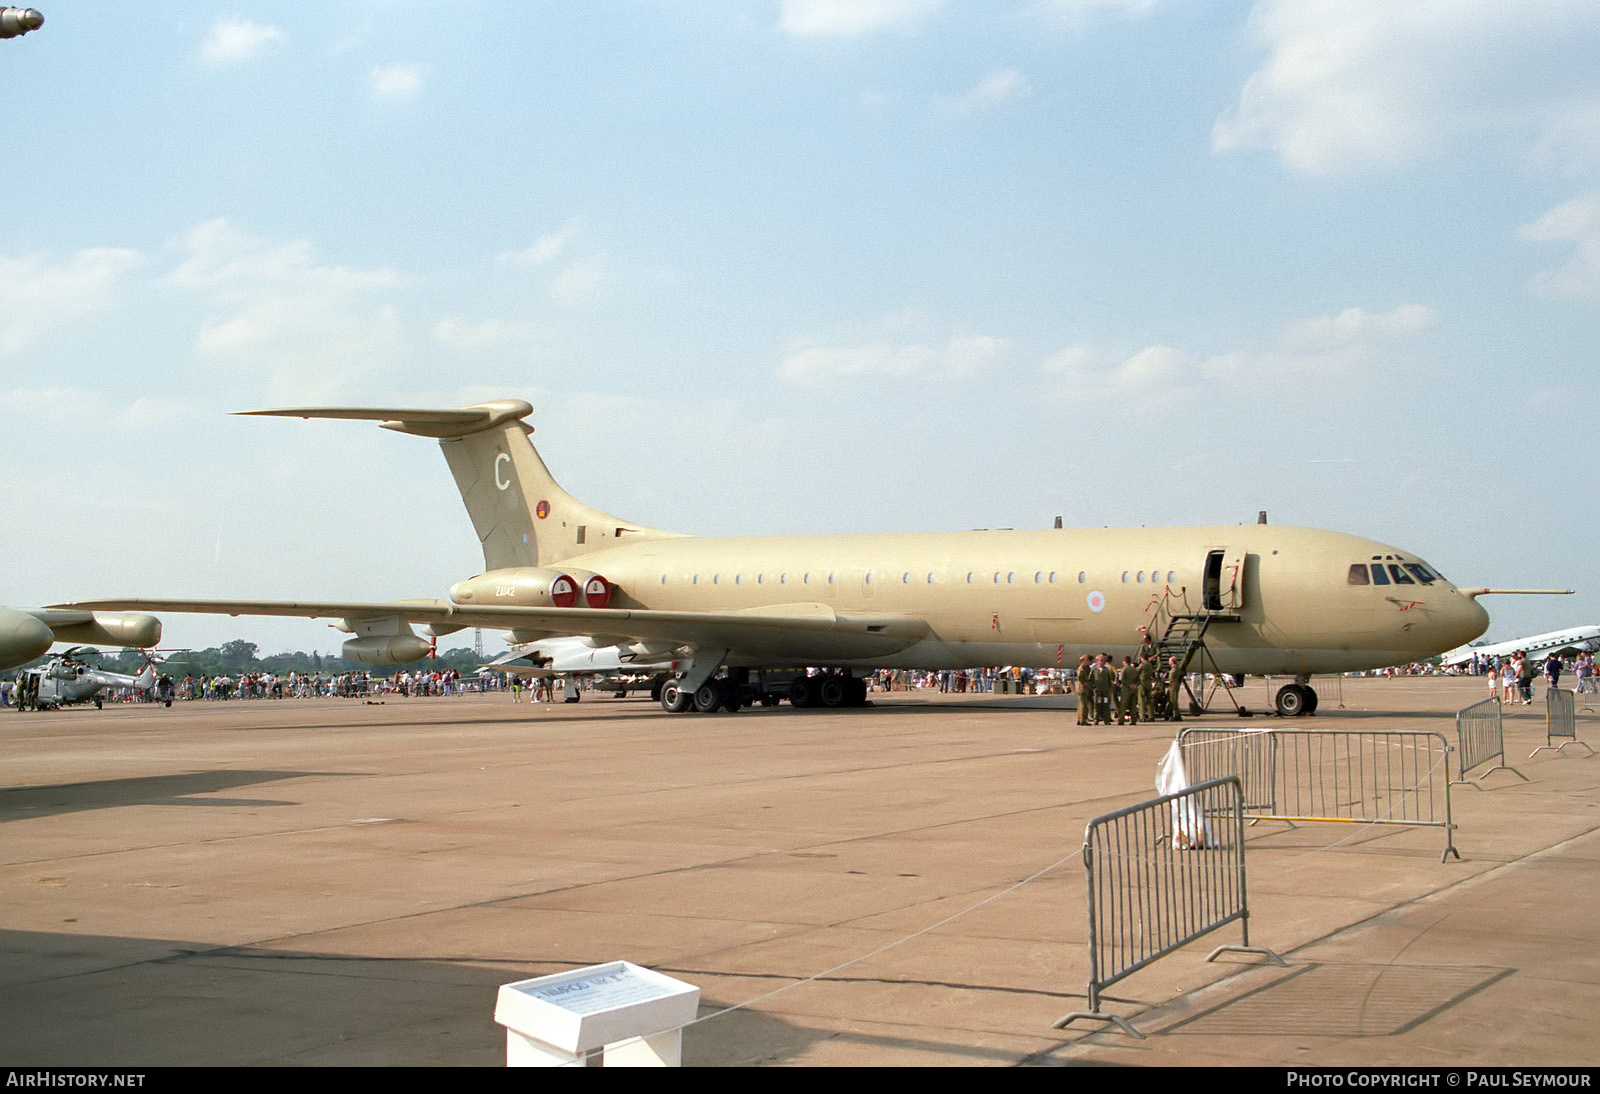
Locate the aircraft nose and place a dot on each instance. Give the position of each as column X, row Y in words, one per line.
column 1461, row 619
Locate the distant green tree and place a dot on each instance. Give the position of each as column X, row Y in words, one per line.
column 239, row 655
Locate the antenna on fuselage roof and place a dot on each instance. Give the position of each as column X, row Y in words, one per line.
column 1261, row 517
column 1058, row 522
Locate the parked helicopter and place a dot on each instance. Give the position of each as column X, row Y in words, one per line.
column 67, row 678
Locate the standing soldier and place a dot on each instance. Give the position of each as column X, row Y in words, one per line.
column 1147, row 689
column 1128, row 693
column 1085, row 682
column 1174, row 689
column 1105, row 688
column 1147, row 647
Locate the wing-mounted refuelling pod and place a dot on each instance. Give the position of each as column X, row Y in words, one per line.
column 100, row 628
column 383, row 640
column 15, row 22
column 23, row 636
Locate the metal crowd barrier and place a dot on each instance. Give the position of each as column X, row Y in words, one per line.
column 1160, row 875
column 1480, row 737
column 1345, row 776
column 1560, row 720
column 1249, row 754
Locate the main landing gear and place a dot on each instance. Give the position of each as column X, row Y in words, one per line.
column 718, row 693
column 736, row 690
column 831, row 691
column 1296, row 700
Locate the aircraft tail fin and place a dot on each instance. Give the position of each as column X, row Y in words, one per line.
column 522, row 517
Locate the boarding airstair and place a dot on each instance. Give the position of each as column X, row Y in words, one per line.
column 1183, row 642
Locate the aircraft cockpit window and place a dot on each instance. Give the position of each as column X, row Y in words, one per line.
column 1422, row 573
column 1378, row 576
column 1358, row 575
column 1399, row 575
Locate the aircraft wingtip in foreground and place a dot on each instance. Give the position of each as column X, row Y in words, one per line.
column 26, row 633
column 1265, row 599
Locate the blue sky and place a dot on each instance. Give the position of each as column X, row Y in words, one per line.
column 796, row 266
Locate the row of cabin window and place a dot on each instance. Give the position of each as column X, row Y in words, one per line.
column 1039, row 578
column 1396, row 574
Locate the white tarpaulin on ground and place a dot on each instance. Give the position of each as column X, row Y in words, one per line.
column 1189, row 830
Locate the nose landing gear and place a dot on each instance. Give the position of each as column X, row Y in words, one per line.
column 1296, row 700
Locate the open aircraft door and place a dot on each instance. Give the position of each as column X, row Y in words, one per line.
column 1223, row 587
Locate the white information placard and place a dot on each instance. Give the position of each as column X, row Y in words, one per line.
column 585, row 1009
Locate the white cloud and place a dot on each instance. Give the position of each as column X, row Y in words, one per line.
column 998, row 87
column 39, row 296
column 395, row 82
column 459, row 334
column 311, row 328
column 1078, row 13
column 237, row 41
column 579, row 283
column 91, row 409
column 1325, row 349
column 547, row 247
column 853, row 18
column 1353, row 325
column 1576, row 222
column 579, row 280
column 223, row 259
column 960, row 357
column 1156, row 377
column 1072, row 362
column 1321, row 350
column 1357, row 85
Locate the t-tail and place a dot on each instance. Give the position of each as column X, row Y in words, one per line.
column 523, row 519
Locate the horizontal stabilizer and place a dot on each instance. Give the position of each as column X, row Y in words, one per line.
column 420, row 421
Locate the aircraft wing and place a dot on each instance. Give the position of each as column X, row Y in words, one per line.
column 805, row 633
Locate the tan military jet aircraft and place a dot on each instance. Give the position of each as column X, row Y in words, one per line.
column 1262, row 598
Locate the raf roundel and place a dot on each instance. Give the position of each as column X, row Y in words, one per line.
column 542, row 510
column 1097, row 600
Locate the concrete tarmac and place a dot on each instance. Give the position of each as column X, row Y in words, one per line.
column 339, row 882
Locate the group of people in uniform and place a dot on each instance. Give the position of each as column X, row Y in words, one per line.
column 1142, row 689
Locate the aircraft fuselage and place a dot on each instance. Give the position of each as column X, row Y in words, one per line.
column 1281, row 596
